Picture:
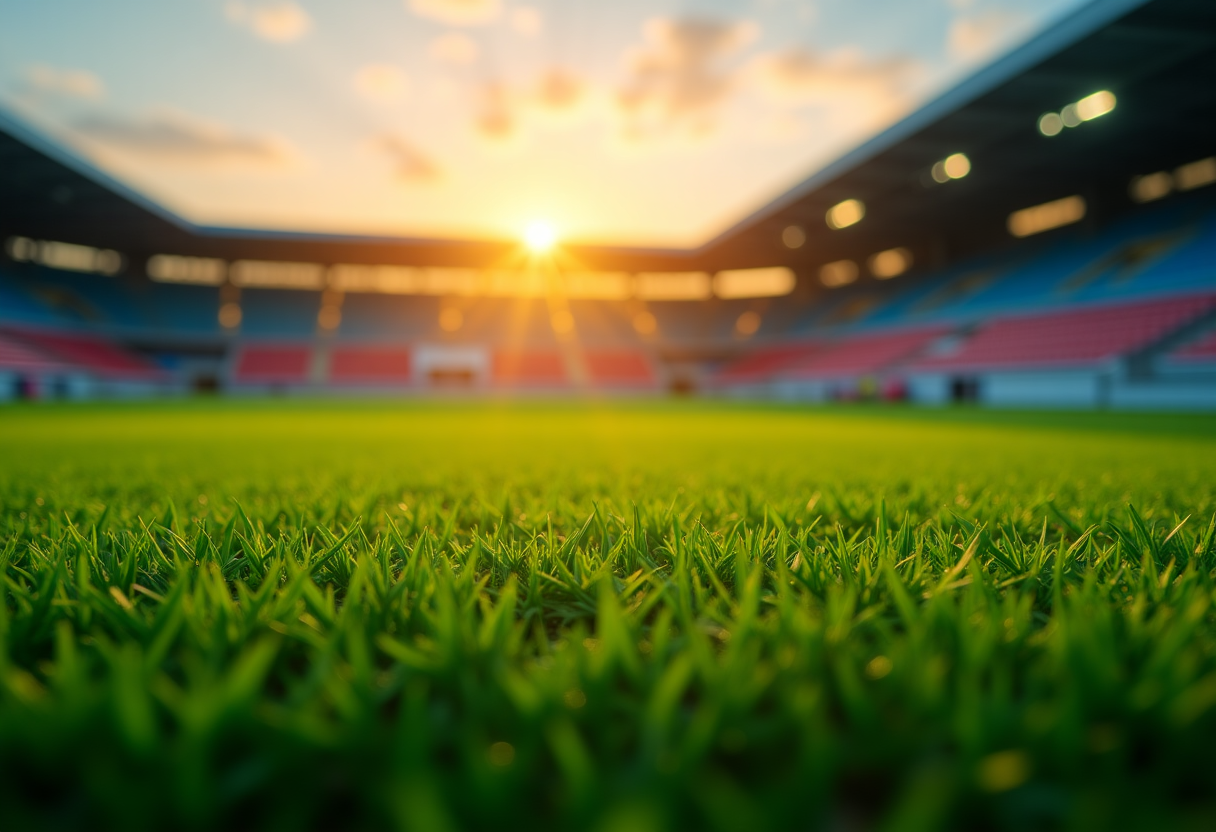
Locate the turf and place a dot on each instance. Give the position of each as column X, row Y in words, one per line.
column 432, row 617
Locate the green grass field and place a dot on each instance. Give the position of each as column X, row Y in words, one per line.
column 285, row 615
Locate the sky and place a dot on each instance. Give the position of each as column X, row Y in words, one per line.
column 625, row 122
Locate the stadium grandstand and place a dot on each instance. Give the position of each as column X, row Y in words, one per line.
column 1043, row 233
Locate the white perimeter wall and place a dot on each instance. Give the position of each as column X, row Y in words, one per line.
column 1058, row 388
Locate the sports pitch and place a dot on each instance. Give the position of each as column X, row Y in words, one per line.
column 286, row 615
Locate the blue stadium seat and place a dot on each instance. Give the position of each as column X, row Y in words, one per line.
column 279, row 312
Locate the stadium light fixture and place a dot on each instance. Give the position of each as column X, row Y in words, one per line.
column 540, row 237
column 843, row 214
column 672, row 285
column 230, row 315
column 954, row 166
column 770, row 282
column 329, row 317
column 1196, row 174
column 1049, row 215
column 170, row 268
column 748, row 324
column 598, row 285
column 1098, row 104
column 1151, row 186
column 66, row 256
column 1070, row 117
column 838, row 273
column 1073, row 115
column 277, row 274
column 890, row 263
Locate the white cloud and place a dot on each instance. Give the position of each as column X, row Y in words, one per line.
column 680, row 77
column 977, row 35
column 454, row 48
column 71, row 83
column 504, row 110
column 527, row 20
column 800, row 76
column 781, row 127
column 560, row 91
column 498, row 119
column 457, row 12
column 843, row 91
column 280, row 21
column 381, row 82
column 173, row 137
column 411, row 164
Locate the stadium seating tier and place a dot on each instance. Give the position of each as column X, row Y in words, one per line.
column 864, row 354
column 529, row 369
column 1070, row 338
column 273, row 364
column 20, row 357
column 369, row 365
column 90, row 353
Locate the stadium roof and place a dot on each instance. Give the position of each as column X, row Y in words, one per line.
column 1158, row 58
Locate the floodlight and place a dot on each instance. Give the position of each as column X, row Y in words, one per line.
column 844, row 214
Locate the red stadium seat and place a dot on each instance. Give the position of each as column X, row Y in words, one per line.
column 1072, row 338
column 90, row 353
column 764, row 363
column 619, row 369
column 860, row 355
column 15, row 355
column 369, row 365
column 533, row 368
column 1200, row 351
column 278, row 363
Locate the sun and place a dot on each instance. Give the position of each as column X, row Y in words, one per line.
column 540, row 236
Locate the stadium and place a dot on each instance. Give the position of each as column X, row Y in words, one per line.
column 947, row 290
column 784, row 433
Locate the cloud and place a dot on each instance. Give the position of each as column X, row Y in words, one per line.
column 412, row 165
column 457, row 12
column 172, row 137
column 71, row 83
column 280, row 21
column 781, row 127
column 678, row 79
column 497, row 120
column 976, row 35
column 381, row 82
column 454, row 48
column 504, row 110
column 800, row 76
column 560, row 91
column 527, row 20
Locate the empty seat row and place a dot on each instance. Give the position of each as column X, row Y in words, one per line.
column 765, row 363
column 865, row 354
column 1073, row 338
column 392, row 365
column 1201, row 350
column 19, row 357
column 87, row 353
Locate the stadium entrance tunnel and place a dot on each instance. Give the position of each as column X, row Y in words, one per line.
column 682, row 386
column 964, row 389
column 205, row 384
